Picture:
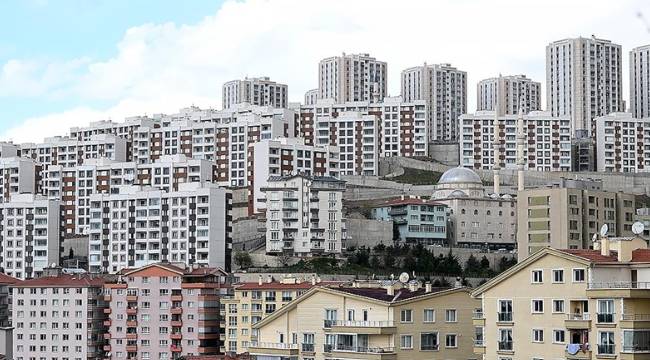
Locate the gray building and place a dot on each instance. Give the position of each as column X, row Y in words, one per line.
column 640, row 81
column 352, row 77
column 509, row 92
column 255, row 91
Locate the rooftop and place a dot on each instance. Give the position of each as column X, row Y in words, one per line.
column 66, row 280
column 382, row 295
column 638, row 255
column 410, row 201
column 278, row 285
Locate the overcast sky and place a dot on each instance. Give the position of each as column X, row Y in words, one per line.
column 68, row 62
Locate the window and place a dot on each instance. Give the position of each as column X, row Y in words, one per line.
column 450, row 315
column 558, row 306
column 538, row 335
column 406, row 315
column 429, row 341
column 505, row 311
column 558, row 336
column 578, row 275
column 450, row 341
column 606, row 311
column 636, row 340
column 406, row 342
column 558, row 276
column 538, row 306
column 606, row 342
column 537, row 276
column 505, row 339
column 429, row 316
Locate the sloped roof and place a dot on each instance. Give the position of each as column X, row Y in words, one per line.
column 65, row 280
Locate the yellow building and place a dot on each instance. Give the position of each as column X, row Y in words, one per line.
column 570, row 304
column 371, row 323
column 253, row 301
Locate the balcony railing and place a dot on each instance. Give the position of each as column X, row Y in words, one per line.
column 361, row 323
column 606, row 349
column 479, row 342
column 642, row 348
column 605, row 318
column 505, row 345
column 620, row 285
column 363, row 349
column 636, row 317
column 476, row 314
column 505, row 317
column 583, row 316
column 429, row 347
column 271, row 345
column 307, row 347
column 328, row 323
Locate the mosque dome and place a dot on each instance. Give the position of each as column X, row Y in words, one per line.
column 460, row 175
column 458, row 193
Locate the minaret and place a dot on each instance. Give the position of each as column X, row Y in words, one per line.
column 521, row 139
column 496, row 143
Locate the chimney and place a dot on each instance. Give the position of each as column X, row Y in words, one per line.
column 269, row 279
column 313, row 280
column 427, row 287
column 604, row 246
column 413, row 286
column 390, row 290
column 458, row 283
column 259, row 280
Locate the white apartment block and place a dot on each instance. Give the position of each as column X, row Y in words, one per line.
column 29, row 236
column 640, row 81
column 622, row 143
column 17, row 176
column 509, row 92
column 304, row 215
column 8, row 149
column 290, row 156
column 444, row 88
column 123, row 129
column 311, row 96
column 352, row 77
column 256, row 91
column 69, row 152
column 143, row 225
column 547, row 142
column 58, row 317
column 583, row 80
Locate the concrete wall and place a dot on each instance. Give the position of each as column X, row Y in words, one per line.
column 79, row 246
column 368, row 233
column 445, row 153
column 462, row 254
column 246, row 234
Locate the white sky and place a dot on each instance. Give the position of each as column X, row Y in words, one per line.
column 163, row 67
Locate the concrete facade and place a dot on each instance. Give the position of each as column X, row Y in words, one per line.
column 622, row 143
column 418, row 221
column 255, row 91
column 640, row 82
column 352, row 77
column 509, row 92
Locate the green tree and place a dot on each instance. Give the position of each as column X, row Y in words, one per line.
column 485, row 263
column 472, row 266
column 375, row 263
column 410, row 263
column 243, row 260
column 389, row 259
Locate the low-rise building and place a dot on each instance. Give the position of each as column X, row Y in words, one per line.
column 622, row 143
column 58, row 317
column 567, row 213
column 370, row 322
column 417, row 220
column 162, row 311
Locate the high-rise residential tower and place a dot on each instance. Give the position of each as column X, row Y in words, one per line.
column 444, row 88
column 510, row 91
column 351, row 77
column 640, row 81
column 255, row 91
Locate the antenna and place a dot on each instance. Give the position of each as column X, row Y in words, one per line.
column 594, row 238
column 404, row 277
column 604, row 229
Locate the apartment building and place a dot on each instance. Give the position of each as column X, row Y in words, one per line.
column 69, row 152
column 259, row 91
column 583, row 80
column 140, row 225
column 304, row 215
column 394, row 321
column 122, row 129
column 253, row 301
column 18, row 176
column 622, row 143
column 29, row 235
column 289, row 156
column 566, row 215
column 9, row 149
column 476, row 218
column 352, row 77
column 58, row 317
column 642, row 215
column 578, row 304
column 509, row 92
column 417, row 220
column 162, row 311
column 547, row 141
column 444, row 89
column 6, row 324
column 640, row 82
column 311, row 97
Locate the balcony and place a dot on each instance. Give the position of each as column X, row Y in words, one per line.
column 131, row 336
column 273, row 349
column 637, row 349
column 107, row 323
column 307, row 348
column 176, row 336
column 577, row 352
column 504, row 317
column 177, row 310
column 177, row 297
column 478, row 318
column 208, row 350
column 606, row 349
column 132, row 348
column 363, row 327
column 107, row 348
column 107, row 298
column 132, row 298
column 176, row 348
column 605, row 318
column 619, row 289
column 107, row 311
column 505, row 346
column 635, row 321
column 176, row 323
column 578, row 321
column 131, row 311
column 131, row 323
column 363, row 353
column 479, row 346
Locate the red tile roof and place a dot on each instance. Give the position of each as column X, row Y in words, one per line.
column 382, row 294
column 641, row 255
column 276, row 285
column 65, row 280
column 6, row 279
column 592, row 255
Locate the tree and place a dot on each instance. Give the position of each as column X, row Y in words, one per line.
column 506, row 263
column 243, row 260
column 472, row 266
column 375, row 263
column 389, row 259
column 410, row 263
column 485, row 263
column 379, row 248
column 284, row 259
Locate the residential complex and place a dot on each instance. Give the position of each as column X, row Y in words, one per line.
column 304, row 215
column 255, row 91
column 162, row 311
column 69, row 152
column 352, row 77
column 18, row 176
column 509, row 92
column 139, row 225
column 311, row 96
column 391, row 321
column 547, row 141
column 640, row 82
column 568, row 213
column 124, row 129
column 622, row 143
column 444, row 89
column 417, row 220
column 576, row 304
column 583, row 80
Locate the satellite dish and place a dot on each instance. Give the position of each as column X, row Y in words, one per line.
column 594, row 238
column 404, row 278
column 638, row 227
column 604, row 229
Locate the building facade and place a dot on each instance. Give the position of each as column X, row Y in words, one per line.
column 640, row 82
column 547, row 141
column 509, row 92
column 255, row 91
column 622, row 143
column 70, row 152
column 583, row 80
column 352, row 77
column 18, row 176
column 311, row 97
column 417, row 220
column 444, row 89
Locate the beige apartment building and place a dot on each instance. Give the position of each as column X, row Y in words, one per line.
column 580, row 208
column 387, row 322
column 577, row 304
